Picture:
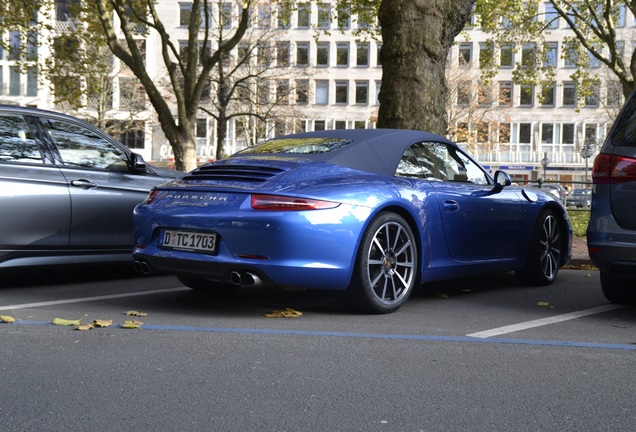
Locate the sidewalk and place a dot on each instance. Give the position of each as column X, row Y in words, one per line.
column 580, row 256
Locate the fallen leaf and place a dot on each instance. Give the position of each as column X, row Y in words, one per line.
column 136, row 313
column 84, row 327
column 131, row 324
column 65, row 322
column 545, row 304
column 287, row 313
column 7, row 319
column 103, row 323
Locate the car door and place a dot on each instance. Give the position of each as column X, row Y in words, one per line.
column 35, row 204
column 103, row 188
column 478, row 223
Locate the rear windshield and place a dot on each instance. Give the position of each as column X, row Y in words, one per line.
column 625, row 131
column 297, row 146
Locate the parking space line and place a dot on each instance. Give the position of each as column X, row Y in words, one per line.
column 89, row 299
column 544, row 321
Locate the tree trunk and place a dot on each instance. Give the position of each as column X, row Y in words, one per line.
column 416, row 38
column 221, row 133
column 185, row 151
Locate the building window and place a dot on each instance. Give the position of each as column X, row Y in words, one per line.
column 484, row 96
column 592, row 99
column 304, row 15
column 264, row 15
column 284, row 17
column 547, row 133
column 324, row 15
column 340, row 124
column 322, row 92
column 282, row 92
column 526, row 95
column 567, row 133
column 551, row 16
column 282, row 53
column 362, row 54
column 320, row 125
column 362, row 92
column 342, row 54
column 302, row 92
column 359, row 124
column 342, row 92
column 525, row 133
column 14, row 81
column 378, row 85
column 463, row 93
column 569, row 94
column 548, row 94
column 32, row 82
column 344, row 17
column 225, row 15
column 591, row 137
column 528, row 55
column 550, row 55
column 378, row 55
column 322, row 54
column 506, row 56
column 465, row 54
column 302, row 54
column 485, row 54
column 505, row 93
column 614, row 94
column 185, row 14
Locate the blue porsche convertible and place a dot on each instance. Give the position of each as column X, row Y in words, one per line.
column 372, row 213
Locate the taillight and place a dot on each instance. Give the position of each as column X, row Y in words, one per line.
column 609, row 169
column 280, row 202
column 151, row 196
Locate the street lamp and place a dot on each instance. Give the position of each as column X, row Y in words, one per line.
column 587, row 151
column 544, row 163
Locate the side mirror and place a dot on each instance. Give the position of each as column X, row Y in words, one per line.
column 502, row 179
column 137, row 163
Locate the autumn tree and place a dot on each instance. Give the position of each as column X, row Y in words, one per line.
column 598, row 37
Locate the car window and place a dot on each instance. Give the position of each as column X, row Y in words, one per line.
column 625, row 132
column 16, row 141
column 439, row 162
column 79, row 146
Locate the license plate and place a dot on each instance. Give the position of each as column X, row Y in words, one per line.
column 189, row 241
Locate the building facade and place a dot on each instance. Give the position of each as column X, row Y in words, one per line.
column 324, row 75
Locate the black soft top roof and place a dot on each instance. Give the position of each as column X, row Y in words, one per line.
column 377, row 151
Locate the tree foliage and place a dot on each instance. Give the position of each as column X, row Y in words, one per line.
column 597, row 35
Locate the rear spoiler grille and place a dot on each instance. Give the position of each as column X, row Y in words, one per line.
column 242, row 173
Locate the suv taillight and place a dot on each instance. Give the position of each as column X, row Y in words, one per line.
column 609, row 169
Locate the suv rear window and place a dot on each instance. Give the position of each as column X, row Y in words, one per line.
column 625, row 130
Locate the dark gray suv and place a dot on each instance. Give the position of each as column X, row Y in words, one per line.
column 67, row 190
column 611, row 233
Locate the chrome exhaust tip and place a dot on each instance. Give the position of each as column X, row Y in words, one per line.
column 235, row 277
column 142, row 267
column 252, row 279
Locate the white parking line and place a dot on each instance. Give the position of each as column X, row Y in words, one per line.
column 544, row 321
column 88, row 299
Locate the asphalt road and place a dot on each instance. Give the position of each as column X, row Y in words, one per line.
column 484, row 354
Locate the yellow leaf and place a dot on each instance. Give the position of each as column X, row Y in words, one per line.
column 287, row 313
column 84, row 327
column 103, row 323
column 136, row 313
column 7, row 318
column 132, row 324
column 61, row 321
column 543, row 304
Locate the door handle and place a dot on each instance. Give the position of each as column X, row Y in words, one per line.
column 83, row 184
column 450, row 205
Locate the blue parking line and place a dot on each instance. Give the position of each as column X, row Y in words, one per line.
column 411, row 337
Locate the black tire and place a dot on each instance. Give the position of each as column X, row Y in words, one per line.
column 385, row 271
column 207, row 285
column 618, row 290
column 545, row 251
